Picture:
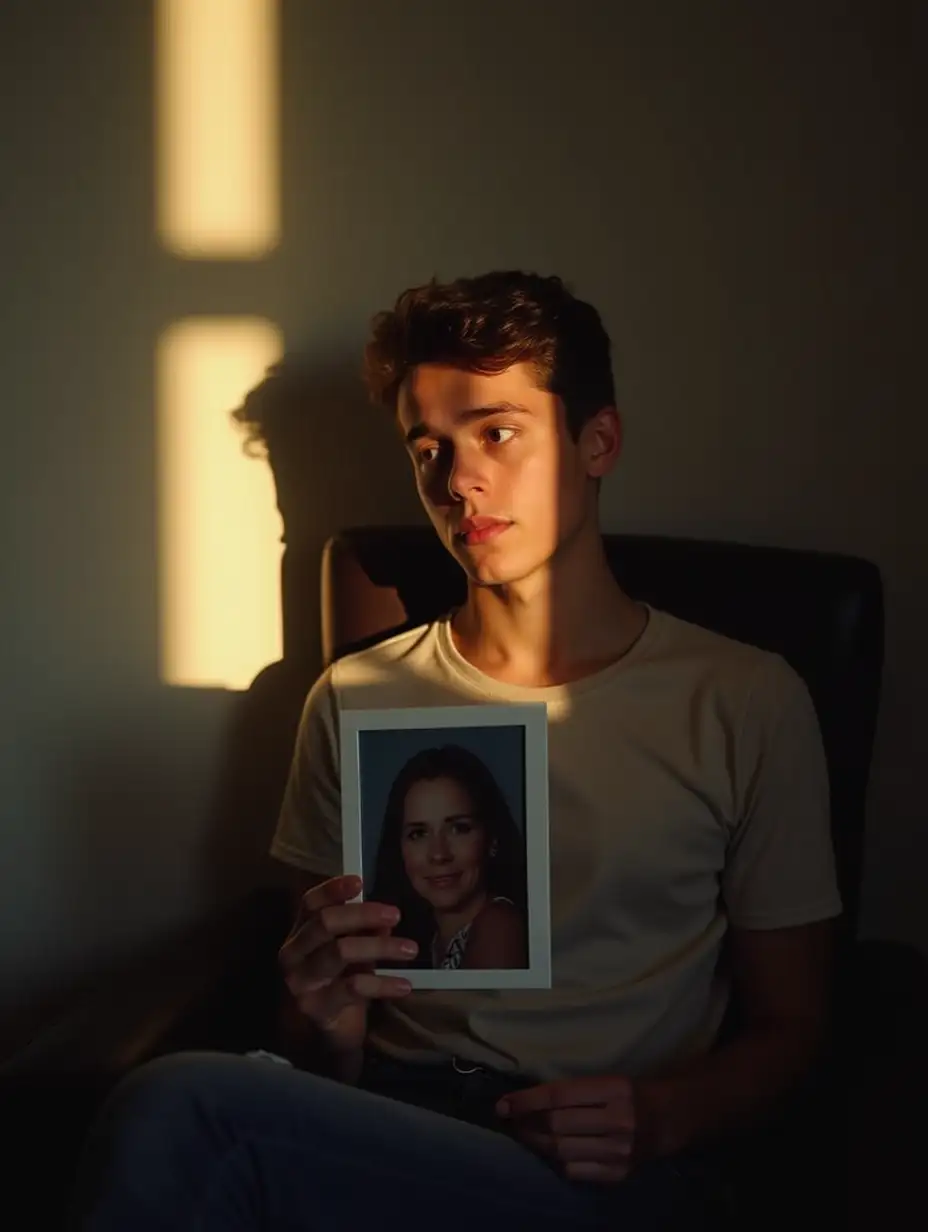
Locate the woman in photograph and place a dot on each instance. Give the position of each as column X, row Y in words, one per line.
column 452, row 859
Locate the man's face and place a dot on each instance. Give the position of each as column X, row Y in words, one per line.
column 498, row 473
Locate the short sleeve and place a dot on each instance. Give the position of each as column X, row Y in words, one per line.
column 780, row 866
column 308, row 833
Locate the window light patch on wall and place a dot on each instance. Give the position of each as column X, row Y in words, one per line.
column 217, row 127
column 219, row 529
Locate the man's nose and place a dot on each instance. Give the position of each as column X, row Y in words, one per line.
column 465, row 475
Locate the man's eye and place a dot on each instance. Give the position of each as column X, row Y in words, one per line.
column 500, row 436
column 426, row 455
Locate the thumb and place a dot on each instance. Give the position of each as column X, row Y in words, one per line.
column 335, row 999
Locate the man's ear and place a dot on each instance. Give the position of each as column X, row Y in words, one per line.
column 601, row 442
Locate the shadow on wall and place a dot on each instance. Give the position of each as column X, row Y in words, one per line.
column 337, row 461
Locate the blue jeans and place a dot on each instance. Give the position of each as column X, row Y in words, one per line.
column 212, row 1141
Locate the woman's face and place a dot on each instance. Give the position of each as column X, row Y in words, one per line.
column 443, row 845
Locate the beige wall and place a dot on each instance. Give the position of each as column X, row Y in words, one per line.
column 729, row 183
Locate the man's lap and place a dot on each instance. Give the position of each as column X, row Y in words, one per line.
column 247, row 1143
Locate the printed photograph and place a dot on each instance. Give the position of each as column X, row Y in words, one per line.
column 445, row 816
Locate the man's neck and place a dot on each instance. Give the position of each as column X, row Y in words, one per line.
column 557, row 626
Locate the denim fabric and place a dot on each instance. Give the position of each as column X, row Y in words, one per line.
column 205, row 1141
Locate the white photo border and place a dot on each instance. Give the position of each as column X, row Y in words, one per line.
column 533, row 717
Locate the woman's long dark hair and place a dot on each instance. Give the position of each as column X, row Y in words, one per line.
column 504, row 873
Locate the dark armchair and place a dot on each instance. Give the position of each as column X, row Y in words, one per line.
column 844, row 1139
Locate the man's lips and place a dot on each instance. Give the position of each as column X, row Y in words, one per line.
column 481, row 529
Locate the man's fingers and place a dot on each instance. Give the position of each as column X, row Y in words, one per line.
column 329, row 962
column 614, row 1150
column 584, row 1121
column 324, row 1007
column 339, row 921
column 369, row 951
column 567, row 1093
column 597, row 1174
column 587, row 1125
column 328, row 923
column 372, row 987
column 329, row 894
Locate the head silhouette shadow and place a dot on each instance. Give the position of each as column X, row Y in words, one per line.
column 336, row 461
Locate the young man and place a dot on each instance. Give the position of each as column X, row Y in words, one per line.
column 688, row 805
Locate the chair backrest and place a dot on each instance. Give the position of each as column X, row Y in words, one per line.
column 823, row 612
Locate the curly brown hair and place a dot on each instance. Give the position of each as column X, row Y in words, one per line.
column 488, row 323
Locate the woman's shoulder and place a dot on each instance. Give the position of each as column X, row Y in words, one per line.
column 497, row 937
column 502, row 903
column 499, row 912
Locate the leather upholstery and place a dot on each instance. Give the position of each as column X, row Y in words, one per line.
column 823, row 612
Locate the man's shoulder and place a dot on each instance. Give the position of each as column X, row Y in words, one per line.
column 704, row 657
column 686, row 637
column 394, row 672
column 412, row 644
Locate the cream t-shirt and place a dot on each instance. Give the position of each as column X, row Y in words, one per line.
column 688, row 791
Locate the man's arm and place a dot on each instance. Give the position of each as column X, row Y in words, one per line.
column 782, row 979
column 296, row 1039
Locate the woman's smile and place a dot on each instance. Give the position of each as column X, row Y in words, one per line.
column 444, row 881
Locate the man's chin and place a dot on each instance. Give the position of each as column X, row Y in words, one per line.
column 480, row 571
column 484, row 574
column 489, row 568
